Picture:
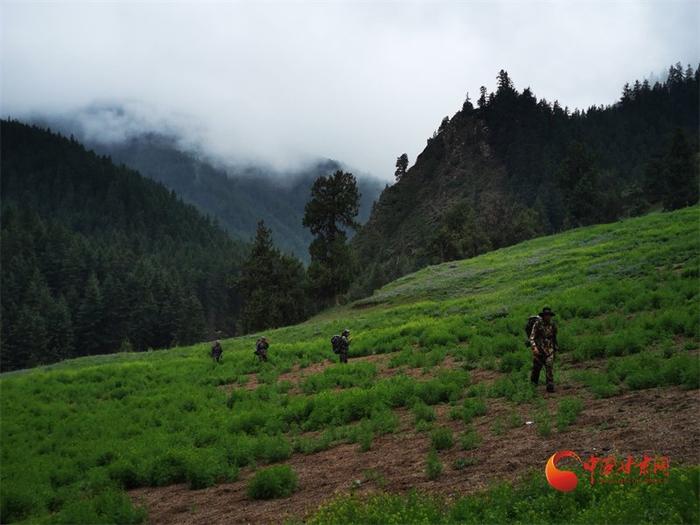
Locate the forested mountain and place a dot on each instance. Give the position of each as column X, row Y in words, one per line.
column 97, row 258
column 238, row 197
column 515, row 167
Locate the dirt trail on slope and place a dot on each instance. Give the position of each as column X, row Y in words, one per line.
column 657, row 421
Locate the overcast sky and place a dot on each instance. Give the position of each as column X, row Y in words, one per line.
column 357, row 82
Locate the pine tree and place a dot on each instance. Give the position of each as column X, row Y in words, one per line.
column 193, row 330
column 505, row 84
column 255, row 281
column 580, row 184
column 482, row 97
column 60, row 331
column 271, row 285
column 30, row 338
column 89, row 334
column 332, row 209
column 467, row 106
column 401, row 166
column 681, row 174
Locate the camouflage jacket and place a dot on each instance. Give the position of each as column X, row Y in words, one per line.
column 544, row 337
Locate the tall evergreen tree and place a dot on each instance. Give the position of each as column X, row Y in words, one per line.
column 680, row 173
column 89, row 325
column 482, row 97
column 60, row 331
column 332, row 209
column 401, row 166
column 271, row 285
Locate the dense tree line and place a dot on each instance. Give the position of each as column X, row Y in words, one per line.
column 515, row 167
column 559, row 161
column 96, row 258
column 273, row 286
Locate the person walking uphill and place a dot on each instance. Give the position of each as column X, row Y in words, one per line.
column 543, row 341
column 341, row 345
column 216, row 351
column 261, row 346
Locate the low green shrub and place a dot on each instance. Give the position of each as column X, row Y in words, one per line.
column 441, row 438
column 514, row 387
column 512, row 361
column 600, row 384
column 277, row 481
column 109, row 506
column 343, row 376
column 424, row 426
column 433, row 465
column 168, row 468
column 473, row 407
column 422, row 412
column 272, row 449
column 568, row 410
column 470, row 439
column 16, row 503
column 648, row 370
column 365, row 439
column 543, row 422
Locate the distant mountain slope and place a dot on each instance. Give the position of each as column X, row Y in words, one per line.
column 515, row 167
column 237, row 197
column 96, row 257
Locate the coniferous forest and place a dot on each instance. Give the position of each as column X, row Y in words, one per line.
column 96, row 258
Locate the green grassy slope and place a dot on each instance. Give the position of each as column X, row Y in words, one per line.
column 76, row 434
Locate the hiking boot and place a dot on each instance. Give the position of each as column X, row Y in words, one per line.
column 550, row 388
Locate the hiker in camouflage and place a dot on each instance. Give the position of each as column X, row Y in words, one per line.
column 543, row 341
column 216, row 351
column 261, row 346
column 344, row 346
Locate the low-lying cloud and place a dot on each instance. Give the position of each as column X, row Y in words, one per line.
column 288, row 81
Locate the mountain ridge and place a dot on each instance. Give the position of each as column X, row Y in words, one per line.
column 515, row 167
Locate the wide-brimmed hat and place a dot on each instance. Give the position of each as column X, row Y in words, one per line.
column 547, row 311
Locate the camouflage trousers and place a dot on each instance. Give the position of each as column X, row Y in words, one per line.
column 546, row 361
column 343, row 354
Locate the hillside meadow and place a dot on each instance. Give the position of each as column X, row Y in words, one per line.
column 432, row 354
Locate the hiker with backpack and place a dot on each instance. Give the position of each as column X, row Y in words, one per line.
column 341, row 345
column 542, row 339
column 261, row 346
column 216, row 351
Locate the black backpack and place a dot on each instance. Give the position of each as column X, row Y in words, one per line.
column 528, row 328
column 335, row 342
